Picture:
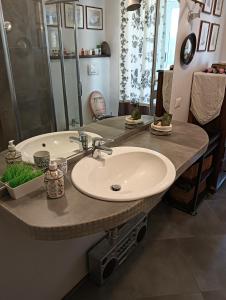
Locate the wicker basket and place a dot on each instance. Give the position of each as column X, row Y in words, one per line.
column 178, row 194
column 192, row 173
column 219, row 65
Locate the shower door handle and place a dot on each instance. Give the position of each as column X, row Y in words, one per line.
column 8, row 26
column 80, row 89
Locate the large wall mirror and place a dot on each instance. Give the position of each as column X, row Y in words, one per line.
column 54, row 65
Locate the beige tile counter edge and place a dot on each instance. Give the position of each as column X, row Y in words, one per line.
column 76, row 215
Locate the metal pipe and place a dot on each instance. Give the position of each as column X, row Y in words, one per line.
column 79, row 84
column 53, row 118
column 61, row 47
column 10, row 74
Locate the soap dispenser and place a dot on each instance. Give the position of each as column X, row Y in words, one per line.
column 54, row 180
column 12, row 156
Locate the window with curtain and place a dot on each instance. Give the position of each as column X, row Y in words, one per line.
column 137, row 33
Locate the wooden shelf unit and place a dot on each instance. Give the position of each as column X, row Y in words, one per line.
column 216, row 174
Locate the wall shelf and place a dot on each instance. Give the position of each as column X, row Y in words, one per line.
column 80, row 56
column 93, row 56
column 65, row 57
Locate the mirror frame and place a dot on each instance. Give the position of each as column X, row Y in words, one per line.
column 192, row 38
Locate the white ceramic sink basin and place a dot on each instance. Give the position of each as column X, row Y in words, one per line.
column 138, row 172
column 58, row 144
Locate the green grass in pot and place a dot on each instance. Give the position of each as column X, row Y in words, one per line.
column 18, row 174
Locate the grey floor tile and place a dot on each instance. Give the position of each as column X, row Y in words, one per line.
column 177, row 297
column 215, row 295
column 220, row 195
column 181, row 257
column 206, row 257
column 156, row 268
column 167, row 222
column 219, row 208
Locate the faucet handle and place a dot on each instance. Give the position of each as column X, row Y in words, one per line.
column 100, row 141
column 80, row 131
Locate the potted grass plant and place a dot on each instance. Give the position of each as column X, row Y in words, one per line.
column 21, row 179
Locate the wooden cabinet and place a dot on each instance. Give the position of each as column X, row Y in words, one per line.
column 209, row 172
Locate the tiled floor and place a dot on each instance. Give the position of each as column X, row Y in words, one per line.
column 182, row 258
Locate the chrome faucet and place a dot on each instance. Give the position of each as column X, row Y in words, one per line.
column 83, row 139
column 98, row 147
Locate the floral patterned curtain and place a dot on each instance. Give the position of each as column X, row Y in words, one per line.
column 137, row 31
column 160, row 59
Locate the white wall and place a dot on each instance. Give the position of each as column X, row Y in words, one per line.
column 39, row 270
column 183, row 75
column 89, row 39
column 223, row 48
column 112, row 24
column 99, row 82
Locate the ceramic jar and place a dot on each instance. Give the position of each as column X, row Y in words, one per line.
column 42, row 159
column 54, row 180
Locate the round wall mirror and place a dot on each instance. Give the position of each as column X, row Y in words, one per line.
column 188, row 49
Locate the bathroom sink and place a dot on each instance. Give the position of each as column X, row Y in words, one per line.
column 129, row 174
column 58, row 144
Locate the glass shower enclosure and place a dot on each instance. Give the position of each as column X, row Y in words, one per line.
column 30, row 97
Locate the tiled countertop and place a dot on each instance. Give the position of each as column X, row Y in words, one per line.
column 77, row 215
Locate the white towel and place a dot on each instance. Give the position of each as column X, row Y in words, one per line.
column 208, row 91
column 167, row 89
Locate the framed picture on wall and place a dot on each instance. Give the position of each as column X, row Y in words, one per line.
column 69, row 15
column 94, row 18
column 51, row 15
column 203, row 36
column 218, row 7
column 207, row 8
column 80, row 16
column 214, row 33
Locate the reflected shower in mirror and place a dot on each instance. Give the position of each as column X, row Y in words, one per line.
column 62, row 41
column 76, row 63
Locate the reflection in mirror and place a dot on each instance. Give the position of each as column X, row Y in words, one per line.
column 63, row 64
column 167, row 37
column 73, row 64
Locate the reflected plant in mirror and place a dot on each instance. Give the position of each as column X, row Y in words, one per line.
column 120, row 63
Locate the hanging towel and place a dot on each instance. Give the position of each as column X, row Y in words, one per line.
column 208, row 91
column 167, row 89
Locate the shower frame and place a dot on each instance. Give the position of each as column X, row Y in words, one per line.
column 62, row 63
column 9, row 70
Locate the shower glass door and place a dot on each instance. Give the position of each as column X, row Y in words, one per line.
column 64, row 63
column 44, row 91
column 25, row 54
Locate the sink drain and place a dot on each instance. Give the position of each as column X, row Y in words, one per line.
column 116, row 187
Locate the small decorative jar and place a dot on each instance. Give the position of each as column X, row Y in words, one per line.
column 54, row 180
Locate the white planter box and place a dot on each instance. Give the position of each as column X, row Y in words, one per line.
column 25, row 188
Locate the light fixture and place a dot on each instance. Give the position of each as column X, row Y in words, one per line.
column 133, row 5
